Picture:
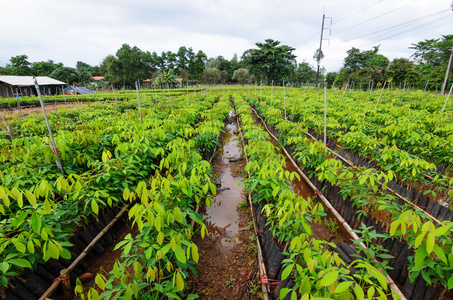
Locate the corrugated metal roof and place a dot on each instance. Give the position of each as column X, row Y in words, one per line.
column 28, row 80
column 80, row 90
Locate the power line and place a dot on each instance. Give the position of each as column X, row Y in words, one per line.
column 401, row 25
column 428, row 23
column 366, row 21
column 357, row 12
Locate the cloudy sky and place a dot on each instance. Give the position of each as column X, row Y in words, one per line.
column 88, row 30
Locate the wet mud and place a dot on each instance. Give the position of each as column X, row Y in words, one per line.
column 228, row 267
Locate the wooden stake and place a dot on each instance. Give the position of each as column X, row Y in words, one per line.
column 284, row 96
column 449, row 93
column 116, row 100
column 383, row 88
column 272, row 90
column 68, row 293
column 138, row 99
column 6, row 125
column 345, row 89
column 325, row 111
column 53, row 145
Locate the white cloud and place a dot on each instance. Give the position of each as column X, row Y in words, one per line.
column 90, row 30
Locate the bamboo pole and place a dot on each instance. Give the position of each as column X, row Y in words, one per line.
column 85, row 252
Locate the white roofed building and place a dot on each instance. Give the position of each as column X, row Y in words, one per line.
column 12, row 86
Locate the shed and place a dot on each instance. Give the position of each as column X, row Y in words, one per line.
column 12, row 86
column 79, row 90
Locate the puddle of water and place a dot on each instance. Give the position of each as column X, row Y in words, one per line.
column 222, row 217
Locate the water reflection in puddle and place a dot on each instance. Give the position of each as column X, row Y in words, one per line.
column 222, row 217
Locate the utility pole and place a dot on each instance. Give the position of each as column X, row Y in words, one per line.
column 320, row 47
column 447, row 74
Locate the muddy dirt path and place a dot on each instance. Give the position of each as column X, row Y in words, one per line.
column 227, row 268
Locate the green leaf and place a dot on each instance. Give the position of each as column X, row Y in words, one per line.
column 195, row 255
column 329, row 278
column 179, row 282
column 160, row 238
column 47, row 207
column 394, row 227
column 116, row 271
column 19, row 245
column 343, row 286
column 20, row 200
column 94, row 206
column 180, row 254
column 128, row 293
column 358, row 292
column 94, row 295
column 419, row 239
column 35, row 222
column 442, row 230
column 420, row 255
column 177, row 215
column 100, row 282
column 53, row 250
column 19, row 262
column 4, row 267
column 430, row 243
column 31, row 198
column 30, row 247
column 284, row 292
column 439, row 252
column 287, row 271
column 450, row 283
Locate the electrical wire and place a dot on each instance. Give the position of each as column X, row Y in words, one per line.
column 357, row 12
column 401, row 25
column 369, row 20
column 428, row 23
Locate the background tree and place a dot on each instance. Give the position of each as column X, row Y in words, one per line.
column 402, row 69
column 5, row 71
column 234, row 65
column 330, row 78
column 182, row 65
column 270, row 61
column 197, row 65
column 44, row 68
column 211, row 75
column 363, row 66
column 130, row 64
column 65, row 74
column 241, row 76
column 432, row 57
column 19, row 65
column 305, row 73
